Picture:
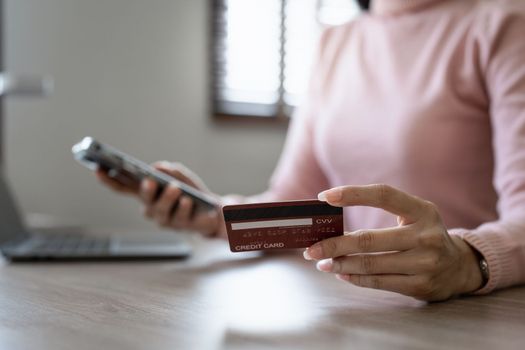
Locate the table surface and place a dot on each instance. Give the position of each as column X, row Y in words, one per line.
column 217, row 299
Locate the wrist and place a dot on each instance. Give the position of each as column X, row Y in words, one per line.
column 221, row 227
column 472, row 276
column 215, row 228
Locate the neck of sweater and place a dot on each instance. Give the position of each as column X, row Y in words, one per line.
column 397, row 7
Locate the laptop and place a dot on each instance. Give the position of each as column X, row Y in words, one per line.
column 18, row 243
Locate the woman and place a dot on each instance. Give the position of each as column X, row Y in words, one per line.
column 427, row 99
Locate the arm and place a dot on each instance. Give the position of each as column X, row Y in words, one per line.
column 298, row 174
column 502, row 243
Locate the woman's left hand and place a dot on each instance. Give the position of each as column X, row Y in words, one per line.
column 417, row 258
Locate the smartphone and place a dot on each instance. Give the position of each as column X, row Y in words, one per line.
column 131, row 171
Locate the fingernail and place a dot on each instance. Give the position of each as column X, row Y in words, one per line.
column 176, row 190
column 306, row 255
column 344, row 278
column 325, row 265
column 313, row 253
column 334, row 195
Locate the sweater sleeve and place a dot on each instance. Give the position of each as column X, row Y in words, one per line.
column 502, row 242
column 298, row 174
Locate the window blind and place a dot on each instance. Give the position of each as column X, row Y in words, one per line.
column 263, row 49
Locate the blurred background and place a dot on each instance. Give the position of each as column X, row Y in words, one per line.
column 207, row 83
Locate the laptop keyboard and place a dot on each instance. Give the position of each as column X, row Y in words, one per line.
column 71, row 245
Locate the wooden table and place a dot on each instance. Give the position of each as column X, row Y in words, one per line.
column 221, row 300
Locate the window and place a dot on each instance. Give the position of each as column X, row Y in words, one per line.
column 263, row 51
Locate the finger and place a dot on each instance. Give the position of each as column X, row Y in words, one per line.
column 364, row 241
column 111, row 183
column 371, row 264
column 174, row 170
column 206, row 222
column 163, row 208
column 407, row 285
column 148, row 212
column 148, row 191
column 182, row 173
column 183, row 213
column 377, row 196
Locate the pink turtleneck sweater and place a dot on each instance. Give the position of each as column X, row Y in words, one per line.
column 427, row 96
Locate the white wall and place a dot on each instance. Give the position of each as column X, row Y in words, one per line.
column 133, row 73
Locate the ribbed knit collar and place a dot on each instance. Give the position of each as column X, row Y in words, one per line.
column 396, row 7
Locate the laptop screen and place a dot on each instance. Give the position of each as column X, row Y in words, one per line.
column 11, row 225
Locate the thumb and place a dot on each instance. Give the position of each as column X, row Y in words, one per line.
column 181, row 173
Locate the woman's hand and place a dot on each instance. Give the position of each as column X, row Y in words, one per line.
column 171, row 208
column 417, row 258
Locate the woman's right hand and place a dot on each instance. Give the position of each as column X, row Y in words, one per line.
column 171, row 208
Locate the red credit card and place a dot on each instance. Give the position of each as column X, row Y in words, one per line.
column 281, row 225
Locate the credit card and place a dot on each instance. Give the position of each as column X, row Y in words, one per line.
column 281, row 225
